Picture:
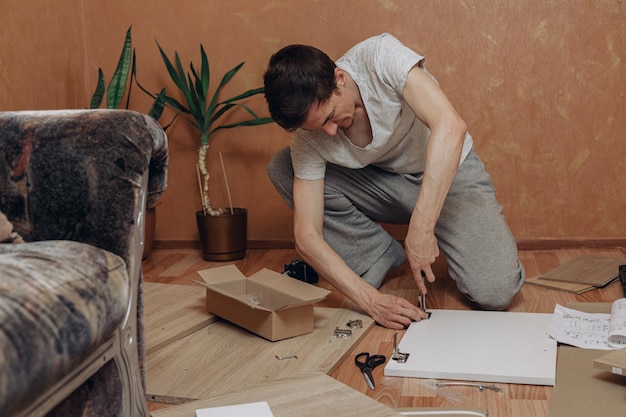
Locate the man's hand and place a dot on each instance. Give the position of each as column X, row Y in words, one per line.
column 394, row 312
column 421, row 251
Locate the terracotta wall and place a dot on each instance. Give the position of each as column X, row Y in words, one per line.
column 541, row 84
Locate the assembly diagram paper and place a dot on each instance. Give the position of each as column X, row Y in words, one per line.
column 591, row 330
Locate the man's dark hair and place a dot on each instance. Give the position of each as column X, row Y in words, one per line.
column 297, row 77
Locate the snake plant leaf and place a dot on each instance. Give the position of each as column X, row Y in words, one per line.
column 98, row 95
column 156, row 110
column 118, row 82
column 159, row 103
column 133, row 73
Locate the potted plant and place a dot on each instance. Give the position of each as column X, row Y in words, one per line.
column 223, row 232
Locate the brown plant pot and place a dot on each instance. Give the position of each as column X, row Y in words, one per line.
column 223, row 237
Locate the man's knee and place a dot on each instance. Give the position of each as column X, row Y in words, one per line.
column 498, row 293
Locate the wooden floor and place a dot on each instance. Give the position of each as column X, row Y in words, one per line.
column 179, row 266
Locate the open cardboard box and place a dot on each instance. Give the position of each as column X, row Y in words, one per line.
column 268, row 303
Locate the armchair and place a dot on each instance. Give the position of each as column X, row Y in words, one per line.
column 75, row 185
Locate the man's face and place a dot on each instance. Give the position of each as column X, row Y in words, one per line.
column 335, row 113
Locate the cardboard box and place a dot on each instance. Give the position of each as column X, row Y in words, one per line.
column 268, row 303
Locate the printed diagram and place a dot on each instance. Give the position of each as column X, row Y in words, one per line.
column 590, row 331
column 617, row 327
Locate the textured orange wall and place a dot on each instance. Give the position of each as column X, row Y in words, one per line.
column 540, row 83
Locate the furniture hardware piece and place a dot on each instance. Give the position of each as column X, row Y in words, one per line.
column 397, row 355
column 282, row 358
column 355, row 324
column 481, row 387
column 342, row 333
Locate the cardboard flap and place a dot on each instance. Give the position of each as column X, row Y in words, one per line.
column 229, row 281
column 223, row 274
column 266, row 290
column 287, row 292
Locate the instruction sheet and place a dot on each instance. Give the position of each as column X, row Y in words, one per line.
column 591, row 330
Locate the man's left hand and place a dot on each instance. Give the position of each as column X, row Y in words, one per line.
column 421, row 252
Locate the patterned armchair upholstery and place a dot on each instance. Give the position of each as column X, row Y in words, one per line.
column 75, row 184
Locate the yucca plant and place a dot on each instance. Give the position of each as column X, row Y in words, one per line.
column 205, row 111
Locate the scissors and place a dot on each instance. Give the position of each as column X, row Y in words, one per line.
column 366, row 364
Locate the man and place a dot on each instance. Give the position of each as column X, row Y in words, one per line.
column 376, row 140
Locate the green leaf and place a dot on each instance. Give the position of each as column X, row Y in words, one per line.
column 179, row 80
column 117, row 86
column 156, row 111
column 196, row 105
column 230, row 74
column 222, row 110
column 158, row 106
column 205, row 71
column 199, row 92
column 249, row 110
column 194, row 85
column 230, row 103
column 133, row 73
column 98, row 95
column 175, row 104
column 246, row 94
column 252, row 122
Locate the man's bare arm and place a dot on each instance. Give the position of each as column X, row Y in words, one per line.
column 443, row 153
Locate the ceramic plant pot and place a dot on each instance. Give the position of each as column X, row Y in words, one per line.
column 223, row 237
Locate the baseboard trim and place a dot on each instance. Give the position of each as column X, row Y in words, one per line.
column 251, row 244
column 550, row 244
column 524, row 244
column 176, row 244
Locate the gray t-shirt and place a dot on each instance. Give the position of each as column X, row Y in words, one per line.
column 379, row 66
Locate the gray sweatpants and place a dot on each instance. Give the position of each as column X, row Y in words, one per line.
column 471, row 231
